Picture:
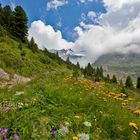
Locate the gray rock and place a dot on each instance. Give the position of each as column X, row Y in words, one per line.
column 20, row 79
column 4, row 75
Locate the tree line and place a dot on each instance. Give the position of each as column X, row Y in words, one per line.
column 15, row 22
column 97, row 74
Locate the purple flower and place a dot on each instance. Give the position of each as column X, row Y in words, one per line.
column 5, row 138
column 5, row 130
column 54, row 132
column 16, row 136
column 1, row 134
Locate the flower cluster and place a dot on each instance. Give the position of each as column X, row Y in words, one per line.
column 137, row 112
column 63, row 131
column 4, row 134
column 83, row 136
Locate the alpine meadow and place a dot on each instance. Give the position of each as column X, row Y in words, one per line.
column 70, row 70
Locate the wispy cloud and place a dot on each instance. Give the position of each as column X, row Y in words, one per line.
column 13, row 5
column 55, row 4
column 84, row 1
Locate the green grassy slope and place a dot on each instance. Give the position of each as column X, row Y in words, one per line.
column 58, row 101
column 16, row 57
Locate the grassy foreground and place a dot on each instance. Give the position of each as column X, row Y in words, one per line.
column 58, row 106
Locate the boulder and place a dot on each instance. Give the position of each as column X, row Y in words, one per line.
column 20, row 79
column 4, row 75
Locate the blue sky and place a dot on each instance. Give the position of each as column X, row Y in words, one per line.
column 96, row 27
column 64, row 18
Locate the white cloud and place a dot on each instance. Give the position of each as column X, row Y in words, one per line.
column 91, row 15
column 118, row 4
column 121, row 17
column 84, row 1
column 46, row 37
column 98, row 40
column 55, row 4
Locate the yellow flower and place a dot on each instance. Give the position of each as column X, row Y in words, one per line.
column 137, row 112
column 124, row 104
column 75, row 138
column 77, row 117
column 134, row 125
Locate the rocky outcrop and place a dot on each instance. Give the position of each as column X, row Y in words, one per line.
column 20, row 79
column 4, row 75
column 10, row 82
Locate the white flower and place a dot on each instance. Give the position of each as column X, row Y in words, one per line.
column 63, row 131
column 19, row 92
column 20, row 105
column 86, row 123
column 83, row 136
column 67, row 123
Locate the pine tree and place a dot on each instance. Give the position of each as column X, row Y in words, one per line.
column 138, row 83
column 108, row 78
column 97, row 72
column 1, row 12
column 68, row 61
column 76, row 73
column 89, row 70
column 114, row 79
column 78, row 65
column 7, row 16
column 21, row 29
column 32, row 45
column 101, row 72
column 128, row 82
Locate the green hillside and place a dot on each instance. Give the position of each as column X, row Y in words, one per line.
column 61, row 101
column 16, row 57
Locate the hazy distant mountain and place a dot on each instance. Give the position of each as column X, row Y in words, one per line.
column 120, row 64
column 73, row 56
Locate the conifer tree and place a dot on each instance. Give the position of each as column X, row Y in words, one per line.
column 138, row 83
column 101, row 72
column 32, row 45
column 68, row 61
column 78, row 65
column 7, row 16
column 128, row 82
column 21, row 29
column 97, row 72
column 76, row 73
column 108, row 78
column 1, row 12
column 114, row 79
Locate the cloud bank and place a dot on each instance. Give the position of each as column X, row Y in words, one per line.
column 46, row 37
column 118, row 31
